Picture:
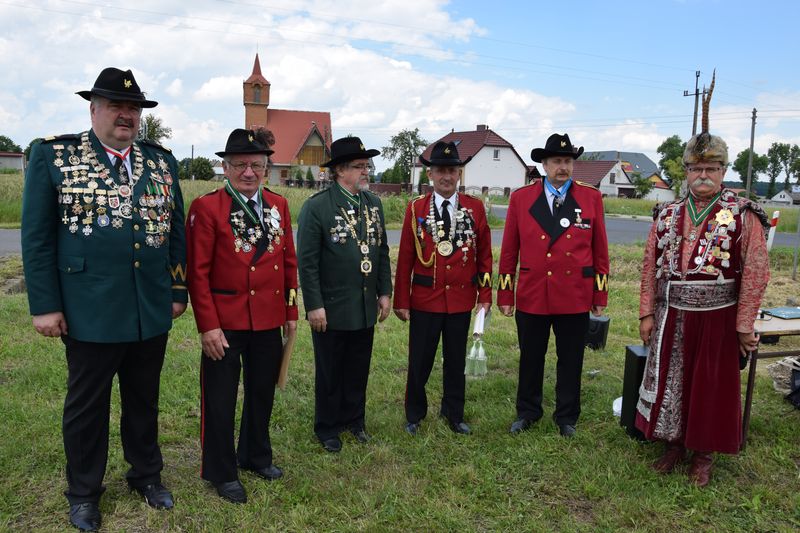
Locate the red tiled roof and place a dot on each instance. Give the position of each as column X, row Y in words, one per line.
column 293, row 128
column 11, row 154
column 469, row 143
column 591, row 172
column 256, row 75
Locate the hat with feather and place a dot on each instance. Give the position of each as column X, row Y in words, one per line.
column 704, row 146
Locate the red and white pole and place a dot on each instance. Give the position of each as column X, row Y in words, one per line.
column 776, row 215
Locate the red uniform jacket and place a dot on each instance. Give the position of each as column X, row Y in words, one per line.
column 451, row 283
column 240, row 290
column 562, row 270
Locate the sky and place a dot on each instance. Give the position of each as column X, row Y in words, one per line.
column 610, row 74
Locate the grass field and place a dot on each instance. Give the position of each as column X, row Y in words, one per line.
column 438, row 481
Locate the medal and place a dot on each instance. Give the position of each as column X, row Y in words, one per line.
column 275, row 213
column 724, row 217
column 103, row 221
column 698, row 260
column 151, row 164
column 335, row 238
column 444, row 248
column 364, row 248
column 366, row 266
column 124, row 191
column 564, row 223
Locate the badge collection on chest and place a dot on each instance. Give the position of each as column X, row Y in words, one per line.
column 714, row 237
column 346, row 226
column 90, row 196
column 246, row 236
column 461, row 234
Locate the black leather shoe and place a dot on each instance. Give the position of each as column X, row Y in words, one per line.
column 361, row 435
column 567, row 430
column 85, row 516
column 155, row 495
column 233, row 491
column 270, row 473
column 520, row 425
column 333, row 445
column 412, row 428
column 460, row 427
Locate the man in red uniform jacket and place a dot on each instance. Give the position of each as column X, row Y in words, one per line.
column 444, row 262
column 243, row 286
column 555, row 228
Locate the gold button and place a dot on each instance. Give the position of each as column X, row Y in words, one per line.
column 448, row 267
column 542, row 237
column 69, row 269
column 569, row 236
column 137, row 245
column 136, row 227
column 252, row 292
column 568, row 272
column 569, row 254
column 549, row 254
column 276, row 267
column 365, row 289
column 549, row 273
column 252, row 269
column 136, row 264
column 277, row 291
column 447, row 287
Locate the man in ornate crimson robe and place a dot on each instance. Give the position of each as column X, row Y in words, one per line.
column 705, row 271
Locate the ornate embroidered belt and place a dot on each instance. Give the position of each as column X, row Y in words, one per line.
column 702, row 295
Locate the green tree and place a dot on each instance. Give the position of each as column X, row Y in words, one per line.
column 671, row 148
column 774, row 169
column 201, row 169
column 782, row 152
column 793, row 162
column 423, row 177
column 674, row 170
column 309, row 175
column 642, row 184
column 760, row 164
column 28, row 149
column 7, row 145
column 298, row 174
column 153, row 129
column 404, row 149
column 183, row 168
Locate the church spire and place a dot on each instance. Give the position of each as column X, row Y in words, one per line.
column 255, row 91
column 256, row 76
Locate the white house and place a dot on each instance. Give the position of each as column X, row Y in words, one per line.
column 608, row 176
column 495, row 162
column 13, row 160
column 783, row 197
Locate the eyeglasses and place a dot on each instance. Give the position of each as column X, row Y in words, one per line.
column 700, row 170
column 241, row 167
column 361, row 167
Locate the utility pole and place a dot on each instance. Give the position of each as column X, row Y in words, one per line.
column 750, row 159
column 696, row 95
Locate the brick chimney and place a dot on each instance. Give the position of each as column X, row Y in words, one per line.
column 482, row 127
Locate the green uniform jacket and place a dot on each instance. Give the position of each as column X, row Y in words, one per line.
column 329, row 260
column 111, row 258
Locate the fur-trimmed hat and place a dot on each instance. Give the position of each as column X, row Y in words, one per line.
column 704, row 146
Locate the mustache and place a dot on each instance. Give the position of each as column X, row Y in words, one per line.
column 124, row 122
column 703, row 181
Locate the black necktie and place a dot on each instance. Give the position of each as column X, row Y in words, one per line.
column 121, row 169
column 254, row 206
column 446, row 218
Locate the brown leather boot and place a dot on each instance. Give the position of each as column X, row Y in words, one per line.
column 700, row 471
column 674, row 453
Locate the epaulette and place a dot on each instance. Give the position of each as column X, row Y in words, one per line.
column 758, row 211
column 470, row 196
column 64, row 137
column 154, row 145
column 272, row 192
column 209, row 193
column 584, row 184
column 318, row 193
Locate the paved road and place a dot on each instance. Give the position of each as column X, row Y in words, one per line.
column 620, row 231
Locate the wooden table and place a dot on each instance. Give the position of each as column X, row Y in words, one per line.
column 773, row 327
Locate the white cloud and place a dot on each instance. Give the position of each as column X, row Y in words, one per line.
column 175, row 88
column 219, row 89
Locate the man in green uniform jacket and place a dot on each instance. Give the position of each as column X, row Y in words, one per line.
column 104, row 255
column 343, row 260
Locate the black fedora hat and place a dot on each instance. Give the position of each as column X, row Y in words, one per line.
column 556, row 145
column 242, row 141
column 116, row 84
column 444, row 155
column 348, row 149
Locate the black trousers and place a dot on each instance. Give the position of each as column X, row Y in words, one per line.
column 423, row 337
column 341, row 366
column 533, row 332
column 91, row 368
column 258, row 355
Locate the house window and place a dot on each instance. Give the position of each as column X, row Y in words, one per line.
column 257, row 94
column 612, row 177
column 497, row 154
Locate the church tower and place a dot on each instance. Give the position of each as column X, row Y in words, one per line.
column 256, row 98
